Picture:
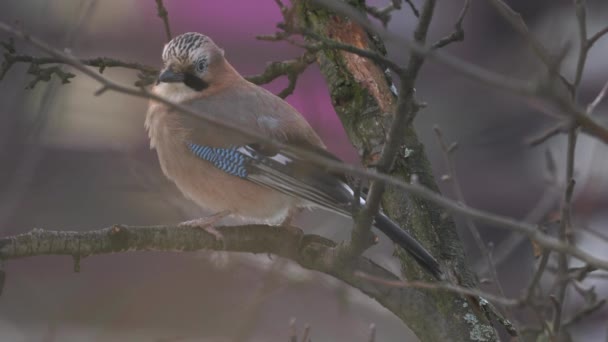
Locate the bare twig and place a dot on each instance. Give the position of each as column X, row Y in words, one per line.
column 591, row 41
column 516, row 21
column 581, row 15
column 599, row 98
column 566, row 211
column 382, row 14
column 565, row 228
column 458, row 34
column 448, row 156
column 542, row 265
column 467, row 291
column 412, row 7
column 290, row 68
column 560, row 127
column 147, row 73
column 164, row 16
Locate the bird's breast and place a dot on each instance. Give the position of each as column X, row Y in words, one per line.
column 204, row 183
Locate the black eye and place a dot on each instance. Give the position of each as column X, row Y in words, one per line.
column 201, row 65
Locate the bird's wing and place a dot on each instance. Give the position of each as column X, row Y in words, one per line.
column 298, row 177
column 264, row 113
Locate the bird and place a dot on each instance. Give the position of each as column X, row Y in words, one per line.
column 231, row 174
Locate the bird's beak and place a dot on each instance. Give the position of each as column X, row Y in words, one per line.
column 170, row 76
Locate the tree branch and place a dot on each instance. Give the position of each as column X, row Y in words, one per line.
column 164, row 16
column 458, row 34
column 405, row 112
column 291, row 68
column 146, row 76
column 309, row 251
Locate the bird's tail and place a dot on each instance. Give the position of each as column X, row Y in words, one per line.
column 407, row 242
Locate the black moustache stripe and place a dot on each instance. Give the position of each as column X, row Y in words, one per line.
column 194, row 82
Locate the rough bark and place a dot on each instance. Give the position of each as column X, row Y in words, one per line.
column 361, row 95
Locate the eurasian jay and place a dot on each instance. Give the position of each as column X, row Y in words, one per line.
column 226, row 172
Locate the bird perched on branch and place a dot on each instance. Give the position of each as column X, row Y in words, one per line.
column 229, row 173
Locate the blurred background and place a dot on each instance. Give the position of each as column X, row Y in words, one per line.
column 70, row 160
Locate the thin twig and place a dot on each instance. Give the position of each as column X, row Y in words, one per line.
column 581, row 15
column 542, row 265
column 516, row 21
column 413, row 8
column 591, row 41
column 467, row 291
column 548, row 133
column 599, row 98
column 164, row 16
column 448, row 156
column 565, row 227
column 458, row 34
column 291, row 68
column 382, row 14
column 148, row 73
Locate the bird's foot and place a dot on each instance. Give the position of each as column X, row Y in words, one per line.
column 208, row 224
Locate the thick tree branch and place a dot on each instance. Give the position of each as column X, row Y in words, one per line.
column 310, row 251
column 405, row 111
column 363, row 100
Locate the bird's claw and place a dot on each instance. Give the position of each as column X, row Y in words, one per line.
column 208, row 224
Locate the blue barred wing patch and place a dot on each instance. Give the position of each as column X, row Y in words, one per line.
column 227, row 159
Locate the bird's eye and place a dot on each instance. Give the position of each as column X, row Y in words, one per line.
column 201, row 65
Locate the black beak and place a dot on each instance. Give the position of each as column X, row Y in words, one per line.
column 169, row 76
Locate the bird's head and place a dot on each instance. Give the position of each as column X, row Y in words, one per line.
column 192, row 62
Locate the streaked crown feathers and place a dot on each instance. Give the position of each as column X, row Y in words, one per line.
column 189, row 46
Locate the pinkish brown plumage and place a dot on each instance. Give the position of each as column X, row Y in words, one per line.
column 222, row 170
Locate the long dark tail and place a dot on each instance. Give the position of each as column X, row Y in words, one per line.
column 407, row 242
